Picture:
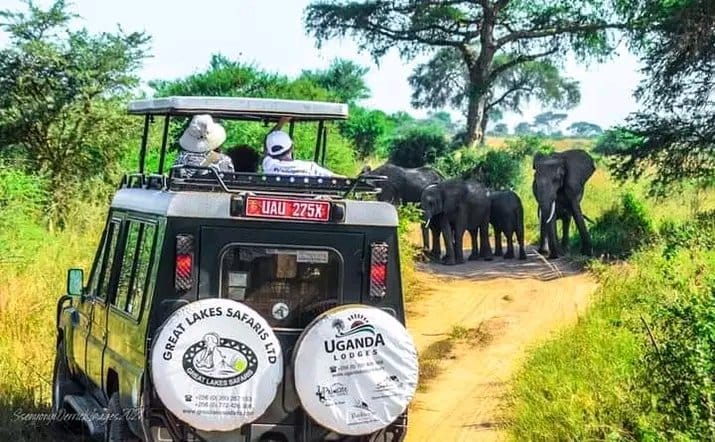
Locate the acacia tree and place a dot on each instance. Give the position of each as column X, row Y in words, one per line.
column 479, row 30
column 674, row 134
column 344, row 78
column 548, row 122
column 444, row 80
column 61, row 92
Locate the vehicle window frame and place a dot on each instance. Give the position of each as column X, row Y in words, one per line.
column 142, row 222
column 341, row 268
column 118, row 221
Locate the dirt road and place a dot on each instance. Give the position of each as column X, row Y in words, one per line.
column 513, row 304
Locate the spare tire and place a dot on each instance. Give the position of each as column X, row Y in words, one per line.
column 355, row 369
column 216, row 364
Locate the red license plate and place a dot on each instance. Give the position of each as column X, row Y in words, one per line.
column 281, row 208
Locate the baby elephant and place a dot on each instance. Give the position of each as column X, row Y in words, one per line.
column 507, row 215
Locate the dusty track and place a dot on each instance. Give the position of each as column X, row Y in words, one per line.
column 516, row 304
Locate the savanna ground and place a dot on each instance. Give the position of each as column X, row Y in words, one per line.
column 492, row 337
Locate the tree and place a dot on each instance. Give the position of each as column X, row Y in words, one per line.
column 523, row 128
column 61, row 96
column 344, row 79
column 675, row 133
column 444, row 80
column 365, row 128
column 548, row 123
column 585, row 129
column 500, row 129
column 479, row 31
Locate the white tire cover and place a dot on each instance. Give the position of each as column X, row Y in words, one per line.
column 216, row 364
column 355, row 369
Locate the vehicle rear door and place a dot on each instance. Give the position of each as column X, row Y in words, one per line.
column 338, row 255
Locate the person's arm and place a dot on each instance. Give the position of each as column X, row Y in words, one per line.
column 279, row 125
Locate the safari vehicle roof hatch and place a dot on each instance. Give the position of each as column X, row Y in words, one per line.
column 240, row 108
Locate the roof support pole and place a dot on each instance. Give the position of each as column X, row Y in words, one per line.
column 164, row 137
column 318, row 142
column 325, row 145
column 145, row 139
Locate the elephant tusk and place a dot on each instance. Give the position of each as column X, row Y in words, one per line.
column 553, row 210
column 427, row 223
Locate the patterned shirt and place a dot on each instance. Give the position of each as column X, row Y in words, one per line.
column 215, row 160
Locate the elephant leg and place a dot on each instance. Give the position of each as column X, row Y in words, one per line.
column 566, row 224
column 449, row 258
column 497, row 242
column 486, row 250
column 520, row 238
column 425, row 238
column 436, row 244
column 473, row 234
column 543, row 235
column 459, row 244
column 586, row 247
column 509, row 245
column 553, row 245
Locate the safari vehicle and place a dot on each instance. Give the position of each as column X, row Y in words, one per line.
column 288, row 247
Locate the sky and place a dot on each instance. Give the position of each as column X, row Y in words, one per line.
column 270, row 34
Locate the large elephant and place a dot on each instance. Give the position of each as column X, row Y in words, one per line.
column 405, row 185
column 507, row 216
column 458, row 206
column 558, row 186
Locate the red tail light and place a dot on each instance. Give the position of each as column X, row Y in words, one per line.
column 183, row 273
column 378, row 269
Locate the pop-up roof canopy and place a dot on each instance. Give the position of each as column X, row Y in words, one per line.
column 240, row 108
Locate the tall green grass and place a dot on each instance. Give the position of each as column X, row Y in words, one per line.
column 33, row 265
column 639, row 364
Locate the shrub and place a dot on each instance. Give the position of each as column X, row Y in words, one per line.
column 496, row 169
column 696, row 233
column 621, row 229
column 416, row 146
column 527, row 145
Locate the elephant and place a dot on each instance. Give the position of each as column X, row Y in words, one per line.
column 405, row 185
column 558, row 186
column 459, row 205
column 507, row 216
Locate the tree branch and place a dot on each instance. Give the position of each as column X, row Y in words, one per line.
column 557, row 30
column 498, row 70
column 505, row 95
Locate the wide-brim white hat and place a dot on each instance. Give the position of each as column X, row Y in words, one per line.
column 202, row 135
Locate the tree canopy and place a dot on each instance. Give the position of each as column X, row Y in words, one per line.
column 585, row 129
column 674, row 133
column 490, row 37
column 59, row 92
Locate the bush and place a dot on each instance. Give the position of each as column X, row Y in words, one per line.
column 496, row 169
column 622, row 229
column 527, row 145
column 366, row 129
column 696, row 233
column 416, row 146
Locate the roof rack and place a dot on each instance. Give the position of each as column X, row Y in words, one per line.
column 207, row 179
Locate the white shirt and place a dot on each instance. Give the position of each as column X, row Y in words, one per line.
column 293, row 167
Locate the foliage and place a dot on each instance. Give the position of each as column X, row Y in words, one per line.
column 418, row 145
column 487, row 39
column 500, row 129
column 61, row 94
column 676, row 128
column 638, row 365
column 548, row 122
column 523, row 128
column 528, row 145
column 444, row 80
column 367, row 129
column 585, row 129
column 344, row 79
column 226, row 77
column 622, row 229
column 408, row 215
column 496, row 169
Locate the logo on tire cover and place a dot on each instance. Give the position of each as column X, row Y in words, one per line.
column 219, row 362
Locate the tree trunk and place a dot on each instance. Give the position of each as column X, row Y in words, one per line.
column 476, row 117
column 483, row 128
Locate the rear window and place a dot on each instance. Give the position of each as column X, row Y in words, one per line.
column 288, row 287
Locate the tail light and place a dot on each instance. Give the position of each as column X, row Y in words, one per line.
column 378, row 269
column 183, row 273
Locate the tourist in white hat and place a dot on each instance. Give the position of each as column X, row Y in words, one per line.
column 199, row 146
column 279, row 156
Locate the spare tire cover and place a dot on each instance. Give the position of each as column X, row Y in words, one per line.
column 216, row 364
column 355, row 369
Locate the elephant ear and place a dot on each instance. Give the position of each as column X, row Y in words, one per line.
column 538, row 156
